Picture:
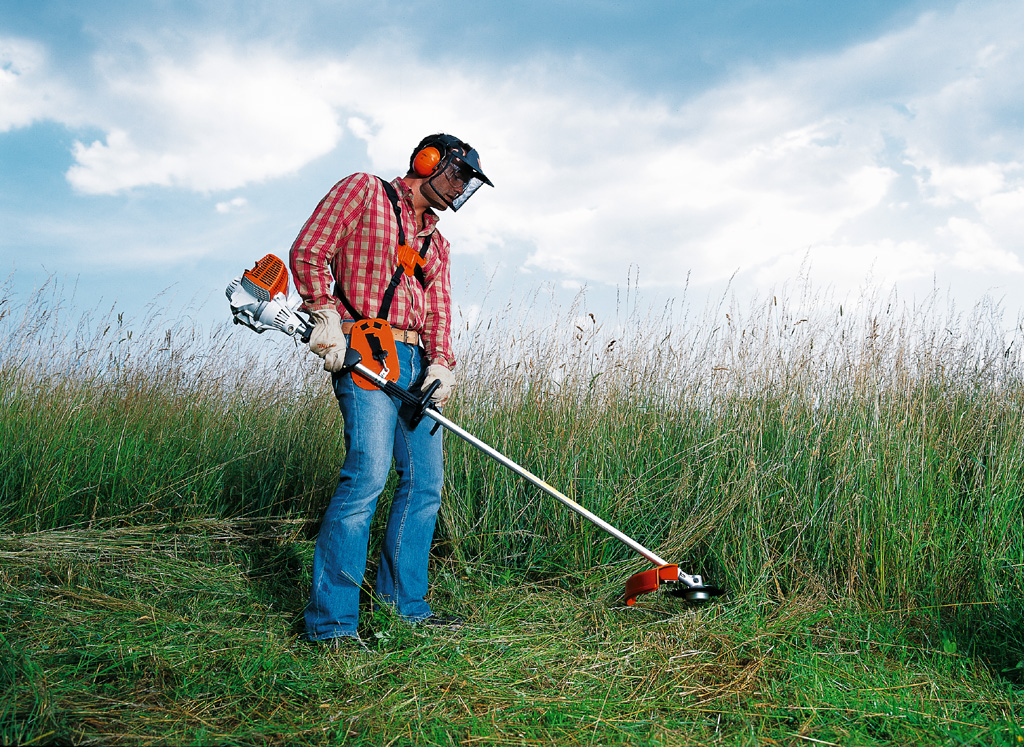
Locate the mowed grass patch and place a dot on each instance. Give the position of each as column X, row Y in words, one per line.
column 189, row 635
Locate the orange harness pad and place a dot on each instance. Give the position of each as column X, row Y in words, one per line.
column 409, row 258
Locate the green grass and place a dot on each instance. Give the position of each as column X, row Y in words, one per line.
column 853, row 478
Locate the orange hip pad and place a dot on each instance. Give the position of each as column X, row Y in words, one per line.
column 375, row 342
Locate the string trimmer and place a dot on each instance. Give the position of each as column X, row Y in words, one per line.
column 259, row 301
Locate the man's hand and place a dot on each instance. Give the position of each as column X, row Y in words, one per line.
column 437, row 372
column 327, row 340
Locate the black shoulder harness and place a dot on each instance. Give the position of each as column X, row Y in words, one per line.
column 389, row 294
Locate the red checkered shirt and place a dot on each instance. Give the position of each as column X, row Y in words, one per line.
column 352, row 240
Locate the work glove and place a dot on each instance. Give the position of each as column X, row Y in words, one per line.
column 437, row 372
column 327, row 340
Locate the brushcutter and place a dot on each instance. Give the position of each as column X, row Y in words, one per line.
column 259, row 301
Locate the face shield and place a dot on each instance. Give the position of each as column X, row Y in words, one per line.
column 458, row 177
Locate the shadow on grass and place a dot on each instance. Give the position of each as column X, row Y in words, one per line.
column 992, row 633
column 278, row 572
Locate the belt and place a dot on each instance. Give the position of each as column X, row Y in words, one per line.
column 408, row 336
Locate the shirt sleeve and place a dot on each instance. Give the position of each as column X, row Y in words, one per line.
column 437, row 327
column 314, row 249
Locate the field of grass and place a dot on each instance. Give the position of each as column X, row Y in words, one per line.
column 853, row 476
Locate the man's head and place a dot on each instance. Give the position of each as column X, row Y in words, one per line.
column 450, row 168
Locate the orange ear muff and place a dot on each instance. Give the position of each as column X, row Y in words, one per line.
column 426, row 161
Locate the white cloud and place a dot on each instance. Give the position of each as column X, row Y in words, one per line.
column 846, row 265
column 816, row 158
column 976, row 250
column 951, row 184
column 1003, row 213
column 232, row 205
column 217, row 122
column 28, row 90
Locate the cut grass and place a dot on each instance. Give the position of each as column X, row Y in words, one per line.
column 188, row 635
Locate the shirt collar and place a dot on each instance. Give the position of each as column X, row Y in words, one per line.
column 430, row 218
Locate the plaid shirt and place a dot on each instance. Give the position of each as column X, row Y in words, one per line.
column 352, row 240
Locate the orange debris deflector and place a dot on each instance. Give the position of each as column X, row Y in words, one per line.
column 649, row 580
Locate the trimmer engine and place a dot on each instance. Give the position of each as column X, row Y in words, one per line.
column 259, row 300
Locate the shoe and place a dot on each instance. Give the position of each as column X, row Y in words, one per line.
column 440, row 622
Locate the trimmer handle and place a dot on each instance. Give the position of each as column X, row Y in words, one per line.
column 429, row 392
column 413, row 406
column 414, row 412
column 352, row 358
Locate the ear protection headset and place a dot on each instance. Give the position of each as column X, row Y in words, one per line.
column 426, row 161
column 433, row 154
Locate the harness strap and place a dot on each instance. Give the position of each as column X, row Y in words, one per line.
column 378, row 351
column 407, row 259
column 392, row 193
column 389, row 294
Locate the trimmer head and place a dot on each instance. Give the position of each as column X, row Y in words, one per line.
column 690, row 588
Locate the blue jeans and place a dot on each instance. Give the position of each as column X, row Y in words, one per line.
column 374, row 434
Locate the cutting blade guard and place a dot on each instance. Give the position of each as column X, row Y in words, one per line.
column 691, row 588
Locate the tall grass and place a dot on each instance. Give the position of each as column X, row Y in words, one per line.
column 116, row 420
column 877, row 448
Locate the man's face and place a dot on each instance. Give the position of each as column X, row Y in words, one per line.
column 445, row 186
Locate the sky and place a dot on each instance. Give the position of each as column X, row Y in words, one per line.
column 151, row 151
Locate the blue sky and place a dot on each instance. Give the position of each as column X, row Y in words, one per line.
column 698, row 144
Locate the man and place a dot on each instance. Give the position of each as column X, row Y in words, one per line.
column 354, row 238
